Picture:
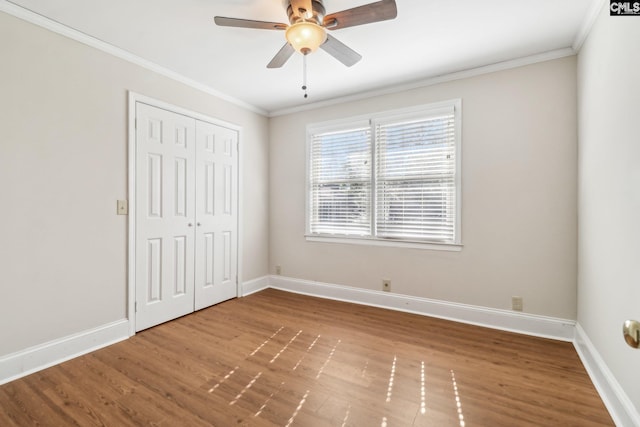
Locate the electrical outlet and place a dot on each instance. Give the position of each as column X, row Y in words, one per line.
column 516, row 303
column 278, row 270
column 386, row 285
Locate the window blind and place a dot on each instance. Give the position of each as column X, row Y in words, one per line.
column 415, row 178
column 390, row 177
column 340, row 182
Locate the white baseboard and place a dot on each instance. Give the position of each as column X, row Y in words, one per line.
column 540, row 326
column 28, row 361
column 620, row 407
column 34, row 359
column 254, row 285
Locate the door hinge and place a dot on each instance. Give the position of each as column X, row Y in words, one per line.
column 136, row 306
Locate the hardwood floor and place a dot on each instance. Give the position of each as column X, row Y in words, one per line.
column 281, row 359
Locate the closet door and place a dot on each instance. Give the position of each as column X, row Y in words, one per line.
column 216, row 214
column 165, row 212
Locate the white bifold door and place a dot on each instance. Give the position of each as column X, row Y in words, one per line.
column 186, row 215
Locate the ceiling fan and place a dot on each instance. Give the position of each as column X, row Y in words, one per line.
column 307, row 27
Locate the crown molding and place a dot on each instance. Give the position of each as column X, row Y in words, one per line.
column 587, row 24
column 56, row 27
column 66, row 31
column 459, row 75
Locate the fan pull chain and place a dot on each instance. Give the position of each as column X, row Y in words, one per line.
column 304, row 74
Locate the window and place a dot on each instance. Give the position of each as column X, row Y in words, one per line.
column 392, row 177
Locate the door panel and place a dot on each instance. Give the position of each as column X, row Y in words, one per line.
column 216, row 214
column 165, row 208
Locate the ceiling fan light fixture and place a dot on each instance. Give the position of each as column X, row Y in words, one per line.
column 306, row 37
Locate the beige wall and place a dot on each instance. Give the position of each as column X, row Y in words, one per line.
column 609, row 193
column 519, row 189
column 63, row 165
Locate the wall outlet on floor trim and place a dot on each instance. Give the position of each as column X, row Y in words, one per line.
column 278, row 270
column 516, row 303
column 386, row 285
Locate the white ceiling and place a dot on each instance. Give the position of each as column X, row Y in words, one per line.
column 428, row 38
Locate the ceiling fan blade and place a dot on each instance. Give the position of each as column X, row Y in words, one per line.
column 282, row 56
column 340, row 51
column 366, row 14
column 302, row 8
column 247, row 23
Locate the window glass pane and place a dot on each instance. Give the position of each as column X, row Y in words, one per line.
column 416, row 210
column 340, row 178
column 416, row 179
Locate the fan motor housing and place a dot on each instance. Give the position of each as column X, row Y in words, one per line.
column 317, row 17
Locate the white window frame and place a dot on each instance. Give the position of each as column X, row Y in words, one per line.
column 372, row 120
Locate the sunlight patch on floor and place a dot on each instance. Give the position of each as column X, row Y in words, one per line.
column 391, row 376
column 364, row 370
column 226, row 377
column 346, row 416
column 266, row 341
column 295, row 413
column 326, row 362
column 285, row 346
column 247, row 387
column 458, row 403
column 264, row 405
column 423, row 405
column 305, row 353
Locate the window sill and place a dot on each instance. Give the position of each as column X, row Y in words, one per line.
column 450, row 247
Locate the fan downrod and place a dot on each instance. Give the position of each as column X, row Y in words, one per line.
column 316, row 15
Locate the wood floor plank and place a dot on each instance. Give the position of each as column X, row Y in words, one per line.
column 281, row 359
column 29, row 406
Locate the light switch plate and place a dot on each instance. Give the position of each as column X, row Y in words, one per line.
column 123, row 207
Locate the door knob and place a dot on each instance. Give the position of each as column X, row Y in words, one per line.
column 198, row 224
column 631, row 331
column 190, row 225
